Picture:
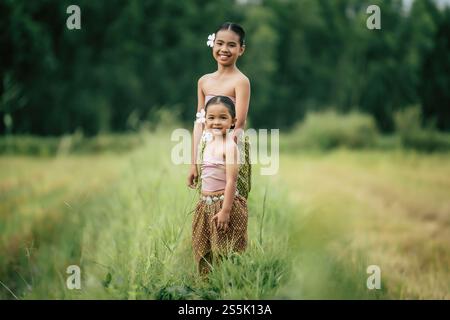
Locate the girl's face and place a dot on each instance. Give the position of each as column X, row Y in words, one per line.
column 227, row 47
column 219, row 119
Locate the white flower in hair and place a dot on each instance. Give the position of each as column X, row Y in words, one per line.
column 207, row 136
column 210, row 41
column 201, row 116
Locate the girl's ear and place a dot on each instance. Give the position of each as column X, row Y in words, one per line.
column 233, row 124
column 242, row 49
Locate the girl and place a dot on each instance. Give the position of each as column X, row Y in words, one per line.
column 228, row 44
column 220, row 220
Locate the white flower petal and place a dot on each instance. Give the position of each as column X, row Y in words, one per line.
column 200, row 116
column 210, row 42
column 207, row 136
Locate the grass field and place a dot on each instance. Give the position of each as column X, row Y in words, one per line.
column 314, row 228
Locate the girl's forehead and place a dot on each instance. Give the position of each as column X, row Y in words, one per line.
column 218, row 107
column 227, row 35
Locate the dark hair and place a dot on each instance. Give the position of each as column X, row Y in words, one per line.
column 236, row 29
column 227, row 102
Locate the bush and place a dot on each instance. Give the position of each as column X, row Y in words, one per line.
column 29, row 145
column 328, row 130
column 414, row 136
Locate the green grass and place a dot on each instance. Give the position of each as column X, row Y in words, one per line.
column 125, row 219
column 389, row 209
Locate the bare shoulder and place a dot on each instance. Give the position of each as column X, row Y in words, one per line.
column 204, row 80
column 206, row 77
column 242, row 83
column 242, row 79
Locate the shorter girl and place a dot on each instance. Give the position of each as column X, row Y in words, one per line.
column 220, row 220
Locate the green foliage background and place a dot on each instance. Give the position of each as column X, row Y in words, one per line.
column 133, row 58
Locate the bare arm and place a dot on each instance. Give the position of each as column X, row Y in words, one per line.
column 196, row 134
column 222, row 218
column 231, row 170
column 242, row 102
column 198, row 127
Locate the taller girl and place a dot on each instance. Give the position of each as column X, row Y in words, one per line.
column 228, row 44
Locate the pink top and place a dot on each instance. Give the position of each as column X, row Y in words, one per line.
column 213, row 168
column 213, row 173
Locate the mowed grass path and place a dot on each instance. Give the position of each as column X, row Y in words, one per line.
column 313, row 229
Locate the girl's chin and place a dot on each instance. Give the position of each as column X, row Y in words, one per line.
column 216, row 132
column 225, row 62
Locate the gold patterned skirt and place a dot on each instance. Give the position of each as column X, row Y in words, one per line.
column 208, row 243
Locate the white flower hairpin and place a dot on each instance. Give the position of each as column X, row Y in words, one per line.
column 210, row 41
column 200, row 116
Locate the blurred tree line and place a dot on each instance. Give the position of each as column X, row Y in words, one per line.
column 133, row 58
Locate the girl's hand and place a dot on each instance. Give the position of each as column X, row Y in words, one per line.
column 221, row 219
column 234, row 137
column 193, row 177
column 237, row 134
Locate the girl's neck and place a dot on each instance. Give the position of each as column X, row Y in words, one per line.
column 223, row 70
column 222, row 138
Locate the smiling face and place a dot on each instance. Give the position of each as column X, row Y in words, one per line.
column 227, row 47
column 219, row 119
